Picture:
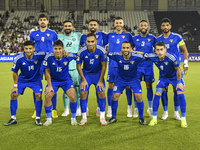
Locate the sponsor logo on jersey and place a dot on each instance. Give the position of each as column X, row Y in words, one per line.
column 37, row 34
column 132, row 62
column 24, row 63
column 74, row 39
column 96, row 56
column 113, row 36
column 120, row 61
column 53, row 63
column 47, row 35
column 148, row 40
column 45, row 63
column 86, row 56
column 166, row 63
column 176, row 62
column 123, row 36
column 171, row 40
column 35, row 62
column 65, row 63
column 13, row 66
column 137, row 40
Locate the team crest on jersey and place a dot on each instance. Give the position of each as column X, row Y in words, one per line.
column 123, row 36
column 166, row 63
column 45, row 63
column 47, row 35
column 74, row 39
column 65, row 63
column 176, row 62
column 96, row 56
column 132, row 62
column 97, row 36
column 171, row 40
column 35, row 62
column 148, row 40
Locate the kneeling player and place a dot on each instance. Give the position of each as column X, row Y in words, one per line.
column 94, row 66
column 57, row 75
column 170, row 73
column 29, row 64
column 127, row 76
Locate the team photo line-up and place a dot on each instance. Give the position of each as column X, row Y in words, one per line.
column 74, row 61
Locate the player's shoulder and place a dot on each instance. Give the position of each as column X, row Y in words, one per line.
column 136, row 55
column 151, row 55
column 84, row 48
column 171, row 56
column 136, row 36
column 160, row 36
column 101, row 49
column 49, row 55
column 77, row 34
column 176, row 34
column 51, row 31
column 60, row 35
column 39, row 53
column 151, row 35
column 17, row 58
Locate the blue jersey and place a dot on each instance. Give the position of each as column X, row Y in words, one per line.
column 59, row 69
column 166, row 66
column 43, row 40
column 91, row 61
column 127, row 69
column 144, row 44
column 115, row 43
column 30, row 68
column 173, row 43
column 99, row 36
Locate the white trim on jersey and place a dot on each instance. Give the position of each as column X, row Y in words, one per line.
column 101, row 48
column 18, row 57
column 137, row 55
column 47, row 56
column 82, row 49
column 177, row 34
column 171, row 57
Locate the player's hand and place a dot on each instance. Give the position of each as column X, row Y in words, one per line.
column 83, row 84
column 66, row 54
column 180, row 86
column 48, row 90
column 185, row 69
column 101, row 86
column 14, row 90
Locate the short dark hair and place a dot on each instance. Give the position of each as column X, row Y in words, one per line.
column 160, row 44
column 42, row 16
column 143, row 21
column 165, row 20
column 58, row 43
column 118, row 18
column 93, row 20
column 126, row 42
column 91, row 34
column 27, row 43
column 67, row 21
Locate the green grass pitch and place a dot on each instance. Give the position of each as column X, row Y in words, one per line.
column 126, row 134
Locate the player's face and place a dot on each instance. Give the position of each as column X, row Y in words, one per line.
column 161, row 51
column 29, row 49
column 166, row 27
column 58, row 51
column 93, row 26
column 126, row 49
column 91, row 42
column 68, row 27
column 118, row 24
column 143, row 27
column 43, row 22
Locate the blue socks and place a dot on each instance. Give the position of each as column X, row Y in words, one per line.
column 48, row 111
column 38, row 108
column 13, row 107
column 83, row 103
column 34, row 99
column 176, row 102
column 54, row 101
column 156, row 102
column 97, row 98
column 140, row 108
column 114, row 108
column 164, row 100
column 129, row 96
column 150, row 96
column 109, row 96
column 135, row 102
column 73, row 107
column 182, row 101
column 102, row 104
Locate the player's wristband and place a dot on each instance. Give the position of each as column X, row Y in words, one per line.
column 186, row 63
column 15, row 85
column 178, row 81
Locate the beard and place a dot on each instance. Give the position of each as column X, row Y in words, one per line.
column 166, row 31
column 68, row 31
column 92, row 30
column 126, row 53
column 143, row 32
column 43, row 25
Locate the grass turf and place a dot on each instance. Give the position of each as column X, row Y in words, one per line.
column 127, row 133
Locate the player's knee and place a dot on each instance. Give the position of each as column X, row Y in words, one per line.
column 72, row 98
column 38, row 96
column 111, row 85
column 115, row 97
column 149, row 85
column 159, row 91
column 84, row 94
column 138, row 98
column 101, row 94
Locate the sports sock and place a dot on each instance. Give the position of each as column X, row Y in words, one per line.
column 135, row 102
column 78, row 94
column 13, row 107
column 164, row 99
column 83, row 103
column 109, row 96
column 102, row 115
column 73, row 107
column 48, row 111
column 176, row 102
column 102, row 104
column 54, row 101
column 140, row 108
column 150, row 96
column 156, row 102
column 182, row 101
column 38, row 106
column 97, row 99
column 34, row 99
column 114, row 108
column 65, row 100
column 129, row 96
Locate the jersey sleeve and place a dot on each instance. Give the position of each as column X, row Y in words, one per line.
column 139, row 57
column 79, row 58
column 31, row 37
column 82, row 41
column 46, row 62
column 15, row 66
column 103, row 57
column 55, row 38
column 79, row 35
column 113, row 56
column 59, row 36
column 175, row 61
column 105, row 41
column 72, row 56
column 131, row 39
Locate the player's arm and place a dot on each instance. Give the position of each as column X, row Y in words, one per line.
column 179, row 84
column 49, row 89
column 15, row 79
column 185, row 56
column 84, row 82
column 100, row 82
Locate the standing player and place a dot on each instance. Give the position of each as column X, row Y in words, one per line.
column 145, row 42
column 93, row 27
column 29, row 64
column 169, row 73
column 173, row 43
column 44, row 38
column 127, row 76
column 115, row 41
column 94, row 67
column 71, row 41
column 57, row 75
